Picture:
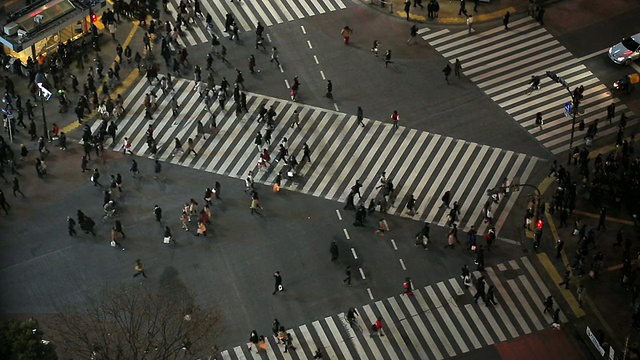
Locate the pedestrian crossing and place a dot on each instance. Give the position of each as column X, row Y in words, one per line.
column 501, row 62
column 439, row 321
column 247, row 14
column 419, row 163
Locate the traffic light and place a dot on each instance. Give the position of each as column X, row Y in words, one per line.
column 539, row 224
column 94, row 18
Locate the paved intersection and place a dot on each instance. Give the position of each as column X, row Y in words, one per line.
column 501, row 63
column 248, row 13
column 420, row 163
column 439, row 321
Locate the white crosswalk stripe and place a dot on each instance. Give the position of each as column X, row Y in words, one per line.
column 248, row 13
column 416, row 328
column 500, row 62
column 420, row 163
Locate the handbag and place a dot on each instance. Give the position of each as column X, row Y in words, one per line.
column 575, row 232
column 280, row 287
column 113, row 243
column 167, row 239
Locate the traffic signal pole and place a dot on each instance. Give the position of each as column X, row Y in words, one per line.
column 574, row 102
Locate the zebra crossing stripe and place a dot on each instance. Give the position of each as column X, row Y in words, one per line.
column 368, row 312
column 239, row 353
column 541, row 285
column 507, row 300
column 447, row 320
column 308, row 343
column 328, row 349
column 509, row 54
column 431, row 344
column 526, row 307
column 353, row 338
column 342, row 151
column 337, row 335
column 458, row 314
column 404, row 322
column 434, row 323
column 390, row 327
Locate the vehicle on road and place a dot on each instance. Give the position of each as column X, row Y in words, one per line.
column 627, row 83
column 626, row 51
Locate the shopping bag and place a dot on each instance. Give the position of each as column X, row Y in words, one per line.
column 113, row 243
column 167, row 239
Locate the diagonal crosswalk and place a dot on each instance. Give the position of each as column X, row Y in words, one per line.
column 248, row 13
column 500, row 62
column 439, row 321
column 419, row 163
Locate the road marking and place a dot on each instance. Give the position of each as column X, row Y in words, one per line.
column 556, row 278
column 303, row 30
column 279, row 67
column 635, row 66
column 402, row 265
column 362, row 274
column 316, row 59
column 423, row 30
column 479, row 17
column 393, row 243
column 286, row 83
column 322, row 74
column 353, row 251
column 269, row 38
column 338, row 213
column 508, row 241
column 309, row 43
column 346, row 234
column 370, row 293
column 594, row 54
column 336, row 106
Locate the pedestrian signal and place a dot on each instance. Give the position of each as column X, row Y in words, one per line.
column 94, row 18
column 539, row 224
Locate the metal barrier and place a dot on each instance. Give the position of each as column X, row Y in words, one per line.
column 382, row 4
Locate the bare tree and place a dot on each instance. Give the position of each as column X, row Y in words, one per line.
column 134, row 323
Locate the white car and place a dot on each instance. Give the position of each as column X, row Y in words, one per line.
column 626, row 51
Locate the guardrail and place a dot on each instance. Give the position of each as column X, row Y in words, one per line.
column 382, row 4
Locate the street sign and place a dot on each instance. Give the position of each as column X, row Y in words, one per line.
column 46, row 93
column 567, row 109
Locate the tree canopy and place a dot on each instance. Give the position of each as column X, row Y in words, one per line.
column 23, row 340
column 132, row 322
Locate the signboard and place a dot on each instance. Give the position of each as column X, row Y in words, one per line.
column 567, row 109
column 46, row 93
column 595, row 342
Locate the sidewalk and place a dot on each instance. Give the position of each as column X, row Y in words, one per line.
column 607, row 303
column 449, row 9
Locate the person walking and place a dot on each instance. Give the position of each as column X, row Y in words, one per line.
column 278, row 283
column 346, row 33
column 329, row 93
column 378, row 324
column 411, row 203
column 491, row 296
column 539, row 120
column 567, row 279
column 407, row 7
column 95, row 177
column 306, row 152
column 253, row 337
column 334, row 250
column 602, row 219
column 71, row 225
column 457, row 68
column 16, row 187
column 413, row 32
column 274, row 55
column 548, row 304
column 447, row 72
column 114, row 239
column 611, row 112
column 559, row 246
column 470, row 23
column 382, row 227
column 139, row 269
column 466, row 276
column 422, row 237
column 505, row 20
column 395, row 118
column 387, row 58
column 347, row 279
column 360, row 116
column 255, row 204
column 446, row 199
column 157, row 211
column 118, row 229
column 296, row 119
column 479, row 285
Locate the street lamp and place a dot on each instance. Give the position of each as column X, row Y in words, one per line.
column 575, row 102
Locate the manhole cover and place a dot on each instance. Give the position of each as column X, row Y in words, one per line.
column 510, row 274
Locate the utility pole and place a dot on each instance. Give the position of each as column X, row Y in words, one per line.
column 574, row 102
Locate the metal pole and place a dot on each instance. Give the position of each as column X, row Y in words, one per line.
column 573, row 127
column 44, row 118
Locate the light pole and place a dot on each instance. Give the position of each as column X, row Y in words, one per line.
column 575, row 102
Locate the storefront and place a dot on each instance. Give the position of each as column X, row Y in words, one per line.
column 36, row 30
